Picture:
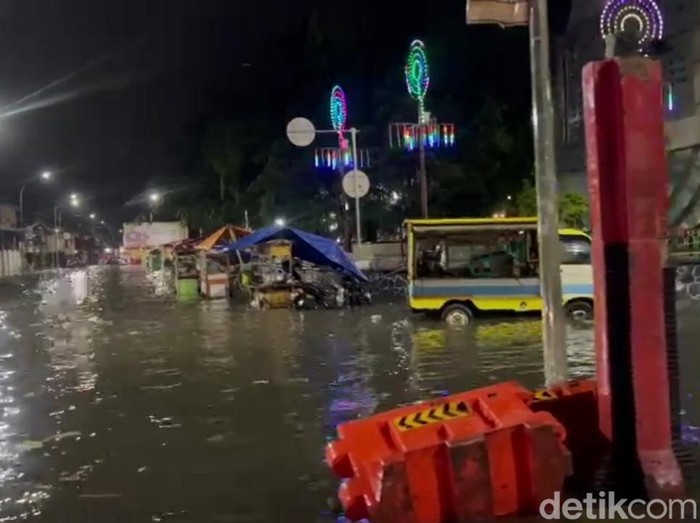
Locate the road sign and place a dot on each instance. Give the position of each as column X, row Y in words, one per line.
column 301, row 132
column 356, row 184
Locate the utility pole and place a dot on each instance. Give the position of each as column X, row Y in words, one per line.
column 553, row 319
column 356, row 168
column 422, row 173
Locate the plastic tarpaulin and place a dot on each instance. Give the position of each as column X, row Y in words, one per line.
column 306, row 246
column 227, row 232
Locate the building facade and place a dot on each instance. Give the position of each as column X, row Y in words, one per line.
column 582, row 43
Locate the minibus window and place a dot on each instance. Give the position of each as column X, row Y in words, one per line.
column 575, row 250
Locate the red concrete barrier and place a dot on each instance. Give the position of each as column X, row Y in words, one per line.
column 478, row 454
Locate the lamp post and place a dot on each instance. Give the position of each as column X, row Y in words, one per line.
column 74, row 201
column 46, row 176
column 154, row 199
column 426, row 133
column 534, row 14
column 302, row 133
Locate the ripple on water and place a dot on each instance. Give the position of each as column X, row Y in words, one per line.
column 206, row 412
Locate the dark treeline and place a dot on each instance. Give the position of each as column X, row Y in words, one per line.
column 237, row 157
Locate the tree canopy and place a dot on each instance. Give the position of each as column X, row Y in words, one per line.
column 239, row 162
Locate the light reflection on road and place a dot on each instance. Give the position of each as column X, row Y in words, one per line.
column 120, row 405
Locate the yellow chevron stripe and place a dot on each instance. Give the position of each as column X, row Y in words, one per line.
column 439, row 414
column 544, row 395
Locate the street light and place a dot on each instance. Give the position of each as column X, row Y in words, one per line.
column 46, row 175
column 155, row 199
column 93, row 216
column 280, row 222
column 74, row 202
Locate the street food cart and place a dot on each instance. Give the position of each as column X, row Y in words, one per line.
column 272, row 284
column 214, row 271
column 186, row 275
column 293, row 268
column 214, row 267
column 154, row 261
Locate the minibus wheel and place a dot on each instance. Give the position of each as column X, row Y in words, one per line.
column 457, row 314
column 581, row 310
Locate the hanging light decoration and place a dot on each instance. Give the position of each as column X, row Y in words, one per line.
column 417, row 74
column 335, row 158
column 643, row 15
column 339, row 109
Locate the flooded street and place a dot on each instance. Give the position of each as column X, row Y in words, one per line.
column 131, row 407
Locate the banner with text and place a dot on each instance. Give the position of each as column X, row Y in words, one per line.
column 139, row 235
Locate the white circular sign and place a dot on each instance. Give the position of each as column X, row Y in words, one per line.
column 301, row 132
column 356, row 184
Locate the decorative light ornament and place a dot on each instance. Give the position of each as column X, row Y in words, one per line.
column 339, row 109
column 417, row 73
column 646, row 16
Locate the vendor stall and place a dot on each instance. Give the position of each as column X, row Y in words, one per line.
column 214, row 271
column 186, row 274
column 154, row 261
column 215, row 267
column 280, row 279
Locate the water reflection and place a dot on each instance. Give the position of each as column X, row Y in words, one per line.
column 350, row 394
column 121, row 405
column 20, row 496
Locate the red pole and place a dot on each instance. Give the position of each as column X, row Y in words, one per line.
column 628, row 184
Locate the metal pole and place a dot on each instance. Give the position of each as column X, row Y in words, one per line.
column 358, row 222
column 245, row 214
column 553, row 320
column 423, row 175
column 55, row 238
column 345, row 212
column 21, row 205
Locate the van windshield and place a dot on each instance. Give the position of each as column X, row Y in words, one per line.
column 575, row 250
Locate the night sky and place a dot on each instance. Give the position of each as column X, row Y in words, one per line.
column 140, row 72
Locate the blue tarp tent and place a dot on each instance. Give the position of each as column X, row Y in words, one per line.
column 306, row 246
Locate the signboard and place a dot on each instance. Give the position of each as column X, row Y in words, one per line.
column 501, row 12
column 356, row 184
column 150, row 235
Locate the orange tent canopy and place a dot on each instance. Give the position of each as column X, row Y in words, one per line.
column 227, row 232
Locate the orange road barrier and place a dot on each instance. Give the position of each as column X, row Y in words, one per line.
column 478, row 454
column 575, row 406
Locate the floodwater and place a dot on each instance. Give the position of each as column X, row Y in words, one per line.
column 130, row 407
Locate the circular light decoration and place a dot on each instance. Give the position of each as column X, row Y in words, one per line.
column 417, row 75
column 642, row 15
column 339, row 109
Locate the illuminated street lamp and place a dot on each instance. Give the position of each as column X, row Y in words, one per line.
column 155, row 199
column 280, row 222
column 74, row 202
column 93, row 216
column 46, row 176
